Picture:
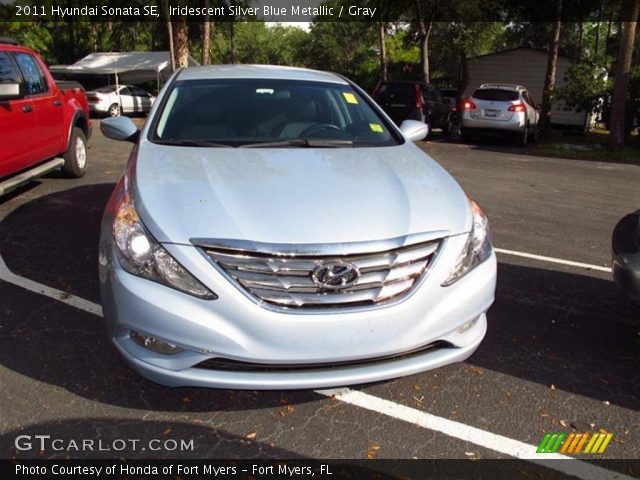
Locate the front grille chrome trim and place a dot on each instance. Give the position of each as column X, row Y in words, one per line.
column 282, row 280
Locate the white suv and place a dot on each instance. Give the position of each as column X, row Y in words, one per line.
column 500, row 107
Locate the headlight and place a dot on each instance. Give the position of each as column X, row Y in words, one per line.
column 140, row 254
column 477, row 249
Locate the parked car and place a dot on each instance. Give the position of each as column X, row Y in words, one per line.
column 625, row 263
column 275, row 230
column 452, row 97
column 114, row 100
column 500, row 108
column 44, row 125
column 406, row 100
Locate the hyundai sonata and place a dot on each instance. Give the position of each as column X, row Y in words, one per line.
column 274, row 229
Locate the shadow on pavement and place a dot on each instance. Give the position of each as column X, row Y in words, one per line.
column 132, row 439
column 573, row 331
column 570, row 330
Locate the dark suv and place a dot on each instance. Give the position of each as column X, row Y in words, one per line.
column 407, row 100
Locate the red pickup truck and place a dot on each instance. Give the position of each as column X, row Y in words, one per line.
column 44, row 125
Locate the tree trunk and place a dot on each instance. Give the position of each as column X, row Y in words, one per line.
column 172, row 51
column 623, row 66
column 206, row 34
column 424, row 53
column 550, row 78
column 383, row 51
column 425, row 30
column 181, row 42
column 595, row 48
column 232, row 42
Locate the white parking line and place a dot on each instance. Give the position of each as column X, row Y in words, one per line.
column 559, row 261
column 59, row 295
column 497, row 443
column 461, row 431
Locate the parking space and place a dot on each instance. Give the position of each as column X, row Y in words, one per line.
column 561, row 354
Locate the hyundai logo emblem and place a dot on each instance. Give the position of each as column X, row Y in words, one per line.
column 335, row 275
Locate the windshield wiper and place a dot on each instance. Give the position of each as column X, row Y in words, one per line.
column 301, row 143
column 192, row 143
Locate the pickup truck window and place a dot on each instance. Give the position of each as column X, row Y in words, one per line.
column 36, row 82
column 8, row 74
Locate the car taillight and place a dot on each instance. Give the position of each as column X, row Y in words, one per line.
column 468, row 105
column 418, row 98
column 518, row 107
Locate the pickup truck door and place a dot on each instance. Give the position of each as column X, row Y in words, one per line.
column 17, row 124
column 47, row 104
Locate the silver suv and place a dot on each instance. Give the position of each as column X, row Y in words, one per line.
column 503, row 108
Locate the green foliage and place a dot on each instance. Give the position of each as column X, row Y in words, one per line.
column 586, row 87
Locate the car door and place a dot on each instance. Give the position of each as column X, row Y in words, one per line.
column 17, row 123
column 126, row 100
column 435, row 105
column 142, row 100
column 46, row 104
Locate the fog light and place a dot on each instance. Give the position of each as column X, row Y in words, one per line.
column 467, row 325
column 154, row 344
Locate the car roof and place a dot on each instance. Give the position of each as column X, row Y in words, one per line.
column 259, row 71
column 502, row 86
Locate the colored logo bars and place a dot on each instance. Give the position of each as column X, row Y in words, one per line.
column 574, row 443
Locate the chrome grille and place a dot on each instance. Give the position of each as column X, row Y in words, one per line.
column 285, row 280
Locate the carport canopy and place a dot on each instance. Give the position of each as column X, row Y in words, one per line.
column 127, row 67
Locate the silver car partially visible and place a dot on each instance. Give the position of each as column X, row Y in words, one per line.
column 274, row 229
column 500, row 108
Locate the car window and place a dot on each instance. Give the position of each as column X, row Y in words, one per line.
column 429, row 93
column 107, row 89
column 8, row 73
column 394, row 89
column 244, row 111
column 34, row 78
column 496, row 94
column 125, row 91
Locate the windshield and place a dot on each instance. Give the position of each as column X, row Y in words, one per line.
column 496, row 94
column 107, row 89
column 267, row 112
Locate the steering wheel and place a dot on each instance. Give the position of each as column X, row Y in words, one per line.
column 317, row 127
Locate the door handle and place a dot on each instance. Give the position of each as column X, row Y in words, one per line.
column 27, row 108
column 57, row 103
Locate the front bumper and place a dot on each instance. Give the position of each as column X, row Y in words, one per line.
column 374, row 341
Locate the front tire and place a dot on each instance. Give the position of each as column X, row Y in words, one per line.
column 114, row 110
column 75, row 158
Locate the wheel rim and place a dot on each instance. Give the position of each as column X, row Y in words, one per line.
column 114, row 110
column 81, row 153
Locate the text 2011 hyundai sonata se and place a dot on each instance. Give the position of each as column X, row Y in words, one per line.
column 274, row 229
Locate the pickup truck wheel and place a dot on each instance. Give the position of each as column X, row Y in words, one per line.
column 75, row 158
column 114, row 110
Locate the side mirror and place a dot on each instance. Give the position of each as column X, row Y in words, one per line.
column 120, row 128
column 414, row 130
column 10, row 91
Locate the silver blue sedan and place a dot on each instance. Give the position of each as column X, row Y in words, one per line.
column 275, row 230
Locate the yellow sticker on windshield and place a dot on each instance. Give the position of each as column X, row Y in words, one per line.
column 350, row 98
column 376, row 127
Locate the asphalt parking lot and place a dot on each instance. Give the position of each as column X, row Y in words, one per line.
column 561, row 354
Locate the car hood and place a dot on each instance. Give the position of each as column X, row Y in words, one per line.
column 295, row 195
